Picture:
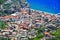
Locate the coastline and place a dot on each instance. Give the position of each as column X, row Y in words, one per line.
column 43, row 11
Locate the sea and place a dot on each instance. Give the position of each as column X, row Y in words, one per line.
column 50, row 6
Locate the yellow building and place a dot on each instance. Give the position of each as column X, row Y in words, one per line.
column 12, row 38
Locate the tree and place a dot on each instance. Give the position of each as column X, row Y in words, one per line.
column 2, row 1
column 56, row 33
column 2, row 25
column 3, row 38
column 1, row 7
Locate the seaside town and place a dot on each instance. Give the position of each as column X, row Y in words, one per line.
column 19, row 22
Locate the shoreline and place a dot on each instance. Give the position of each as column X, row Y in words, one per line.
column 44, row 12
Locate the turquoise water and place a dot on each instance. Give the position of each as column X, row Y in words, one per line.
column 51, row 6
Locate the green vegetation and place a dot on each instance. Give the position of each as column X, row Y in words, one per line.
column 1, row 6
column 56, row 34
column 39, row 36
column 2, row 25
column 6, row 6
column 2, row 38
column 2, row 1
